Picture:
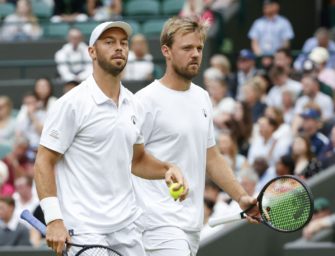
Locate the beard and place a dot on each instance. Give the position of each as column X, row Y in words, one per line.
column 185, row 72
column 110, row 68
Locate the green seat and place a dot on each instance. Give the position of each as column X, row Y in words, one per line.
column 172, row 7
column 4, row 150
column 153, row 27
column 6, row 9
column 139, row 8
column 135, row 26
column 42, row 10
column 86, row 27
column 56, row 30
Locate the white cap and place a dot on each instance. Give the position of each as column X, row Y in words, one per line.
column 319, row 55
column 98, row 30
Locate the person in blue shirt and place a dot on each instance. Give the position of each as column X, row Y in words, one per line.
column 270, row 32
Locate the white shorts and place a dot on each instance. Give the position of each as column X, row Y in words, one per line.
column 167, row 241
column 127, row 241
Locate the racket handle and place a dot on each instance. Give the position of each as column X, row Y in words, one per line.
column 225, row 220
column 27, row 216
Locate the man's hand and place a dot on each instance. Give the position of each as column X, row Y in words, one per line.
column 174, row 175
column 57, row 235
column 253, row 215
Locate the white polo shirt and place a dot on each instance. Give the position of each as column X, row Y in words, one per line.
column 177, row 128
column 96, row 139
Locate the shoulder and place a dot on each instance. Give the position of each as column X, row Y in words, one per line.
column 148, row 90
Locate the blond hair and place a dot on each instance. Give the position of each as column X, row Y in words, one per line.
column 183, row 25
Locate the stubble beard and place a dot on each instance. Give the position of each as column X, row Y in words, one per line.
column 110, row 68
column 184, row 73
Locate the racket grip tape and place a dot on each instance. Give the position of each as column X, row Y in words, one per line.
column 212, row 222
column 27, row 216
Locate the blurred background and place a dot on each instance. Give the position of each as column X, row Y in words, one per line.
column 269, row 69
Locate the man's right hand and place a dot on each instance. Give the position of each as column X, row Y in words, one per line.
column 57, row 235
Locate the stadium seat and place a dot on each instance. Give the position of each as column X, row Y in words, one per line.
column 153, row 27
column 134, row 25
column 4, row 150
column 42, row 10
column 139, row 8
column 56, row 30
column 6, row 9
column 86, row 27
column 172, row 7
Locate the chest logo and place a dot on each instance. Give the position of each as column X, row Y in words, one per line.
column 133, row 119
column 204, row 112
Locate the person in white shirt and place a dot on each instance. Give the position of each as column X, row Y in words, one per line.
column 73, row 60
column 90, row 145
column 140, row 62
column 178, row 128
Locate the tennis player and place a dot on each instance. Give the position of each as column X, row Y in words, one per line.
column 178, row 128
column 89, row 140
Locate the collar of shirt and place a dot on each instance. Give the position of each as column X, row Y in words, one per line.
column 99, row 96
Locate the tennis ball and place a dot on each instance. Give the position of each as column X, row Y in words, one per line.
column 176, row 193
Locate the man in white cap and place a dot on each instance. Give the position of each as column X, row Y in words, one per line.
column 89, row 140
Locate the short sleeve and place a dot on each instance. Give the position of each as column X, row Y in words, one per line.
column 287, row 30
column 253, row 32
column 60, row 127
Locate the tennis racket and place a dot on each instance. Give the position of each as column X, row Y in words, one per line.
column 83, row 250
column 285, row 204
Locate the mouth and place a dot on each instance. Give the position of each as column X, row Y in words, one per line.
column 118, row 57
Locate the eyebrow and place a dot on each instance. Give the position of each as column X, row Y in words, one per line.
column 112, row 37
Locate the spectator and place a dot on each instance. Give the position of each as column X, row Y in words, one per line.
column 311, row 93
column 240, row 126
column 253, row 92
column 266, row 145
column 246, row 70
column 17, row 161
column 5, row 188
column 69, row 85
column 306, row 164
column 102, row 10
column 288, row 101
column 12, row 233
column 229, row 150
column 21, row 25
column 322, row 218
column 30, row 122
column 321, row 38
column 69, row 11
column 25, row 197
column 285, row 165
column 73, row 60
column 281, row 81
column 222, row 63
column 320, row 57
column 283, row 59
column 7, row 121
column 327, row 155
column 270, row 32
column 140, row 62
column 43, row 91
column 265, row 174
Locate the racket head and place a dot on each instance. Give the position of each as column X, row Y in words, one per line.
column 92, row 250
column 286, row 204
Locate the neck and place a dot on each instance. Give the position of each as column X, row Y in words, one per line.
column 108, row 83
column 174, row 81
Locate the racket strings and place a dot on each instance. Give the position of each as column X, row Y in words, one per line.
column 286, row 205
column 96, row 251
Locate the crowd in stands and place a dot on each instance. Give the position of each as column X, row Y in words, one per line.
column 273, row 114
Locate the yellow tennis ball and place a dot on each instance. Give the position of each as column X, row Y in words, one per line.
column 176, row 193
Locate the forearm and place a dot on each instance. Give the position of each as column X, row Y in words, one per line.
column 148, row 167
column 255, row 47
column 45, row 177
column 219, row 171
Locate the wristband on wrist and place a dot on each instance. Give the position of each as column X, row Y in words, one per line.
column 51, row 209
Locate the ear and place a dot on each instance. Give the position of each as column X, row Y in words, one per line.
column 91, row 52
column 165, row 51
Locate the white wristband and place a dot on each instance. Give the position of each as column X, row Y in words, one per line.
column 51, row 209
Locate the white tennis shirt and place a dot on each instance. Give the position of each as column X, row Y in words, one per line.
column 96, row 139
column 177, row 128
